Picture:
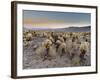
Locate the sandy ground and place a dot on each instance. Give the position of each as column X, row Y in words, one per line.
column 33, row 61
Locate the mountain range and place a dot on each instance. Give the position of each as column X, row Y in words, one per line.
column 68, row 29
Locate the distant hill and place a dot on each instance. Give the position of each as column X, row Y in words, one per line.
column 69, row 29
column 77, row 29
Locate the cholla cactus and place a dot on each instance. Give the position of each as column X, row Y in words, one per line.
column 45, row 34
column 61, row 39
column 26, row 43
column 84, row 47
column 62, row 49
column 46, row 49
column 50, row 38
column 29, row 36
column 83, row 51
column 47, row 42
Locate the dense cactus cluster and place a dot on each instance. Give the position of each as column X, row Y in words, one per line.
column 74, row 45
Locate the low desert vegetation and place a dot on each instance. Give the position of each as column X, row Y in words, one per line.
column 48, row 46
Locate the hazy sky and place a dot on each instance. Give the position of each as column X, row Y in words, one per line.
column 50, row 19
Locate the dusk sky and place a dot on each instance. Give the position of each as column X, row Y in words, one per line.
column 50, row 19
